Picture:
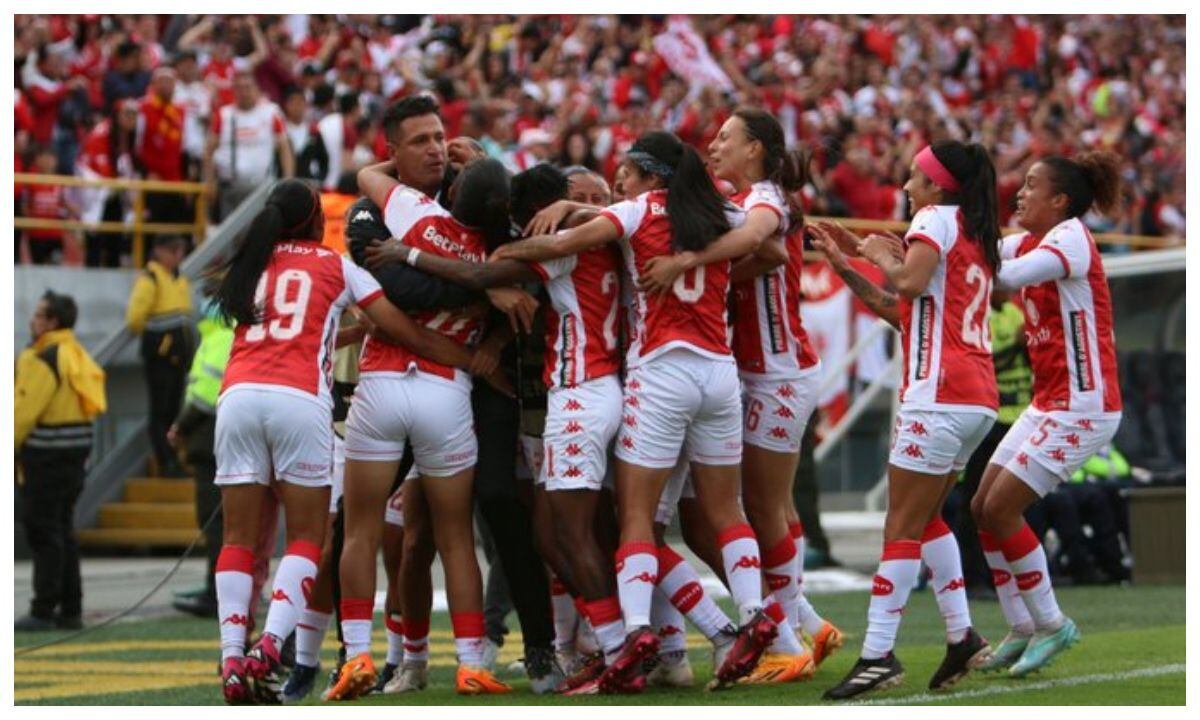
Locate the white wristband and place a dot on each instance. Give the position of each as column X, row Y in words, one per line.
column 413, row 254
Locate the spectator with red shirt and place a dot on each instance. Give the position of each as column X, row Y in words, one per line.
column 48, row 202
column 160, row 146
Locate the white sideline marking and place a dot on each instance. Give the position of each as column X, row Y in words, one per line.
column 927, row 698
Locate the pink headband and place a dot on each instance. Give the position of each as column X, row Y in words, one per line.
column 936, row 171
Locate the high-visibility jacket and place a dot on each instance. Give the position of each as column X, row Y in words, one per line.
column 59, row 392
column 208, row 366
column 161, row 300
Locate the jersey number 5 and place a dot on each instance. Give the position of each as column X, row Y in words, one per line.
column 287, row 316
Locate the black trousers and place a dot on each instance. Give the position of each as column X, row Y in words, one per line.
column 53, row 480
column 976, row 573
column 105, row 249
column 208, row 495
column 166, row 357
column 806, row 494
column 508, row 516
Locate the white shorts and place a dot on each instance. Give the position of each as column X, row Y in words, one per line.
column 263, row 433
column 778, row 410
column 434, row 415
column 1046, row 448
column 937, row 442
column 679, row 486
column 581, row 422
column 339, row 472
column 682, row 399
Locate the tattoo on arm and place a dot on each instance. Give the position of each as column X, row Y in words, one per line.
column 882, row 302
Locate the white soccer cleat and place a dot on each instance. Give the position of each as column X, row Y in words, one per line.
column 411, row 677
column 672, row 670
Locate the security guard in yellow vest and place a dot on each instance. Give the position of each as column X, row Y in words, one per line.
column 160, row 310
column 59, row 392
column 195, row 427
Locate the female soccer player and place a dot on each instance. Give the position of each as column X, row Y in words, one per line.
column 681, row 385
column 943, row 273
column 779, row 368
column 1076, row 404
column 404, row 398
column 274, row 417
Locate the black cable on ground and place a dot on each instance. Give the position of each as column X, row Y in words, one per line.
column 131, row 609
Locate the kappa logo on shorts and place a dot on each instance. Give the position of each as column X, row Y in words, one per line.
column 785, row 391
column 572, row 471
column 633, row 384
column 1000, row 577
column 1086, row 425
column 573, row 450
column 629, row 420
column 644, row 576
column 573, row 405
column 626, row 442
column 1023, row 460
column 955, row 584
column 573, row 427
column 1072, row 440
column 1058, row 454
column 236, row 619
column 632, row 402
column 784, row 411
column 916, row 428
column 746, row 562
column 780, row 433
column 881, row 586
column 1028, row 580
column 914, row 451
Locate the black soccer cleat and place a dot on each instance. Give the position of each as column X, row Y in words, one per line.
column 866, row 676
column 961, row 658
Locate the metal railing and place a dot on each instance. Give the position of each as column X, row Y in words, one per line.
column 137, row 225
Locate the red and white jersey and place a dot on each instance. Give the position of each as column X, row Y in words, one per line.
column 692, row 315
column 769, row 341
column 945, row 331
column 581, row 322
column 246, row 141
column 420, row 222
column 301, row 296
column 1068, row 324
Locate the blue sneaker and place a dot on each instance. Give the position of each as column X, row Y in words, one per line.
column 300, row 683
column 1008, row 652
column 1043, row 647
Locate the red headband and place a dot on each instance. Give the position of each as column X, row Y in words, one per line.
column 936, row 171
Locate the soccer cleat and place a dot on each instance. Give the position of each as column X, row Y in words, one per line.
column 721, row 645
column 334, row 673
column 625, row 675
column 233, row 682
column 589, row 669
column 1007, row 653
column 961, row 658
column 478, row 681
column 776, row 668
column 753, row 638
column 591, row 687
column 827, row 640
column 263, row 670
column 300, row 683
column 357, row 678
column 385, row 676
column 543, row 671
column 1043, row 647
column 412, row 676
column 866, row 676
column 672, row 670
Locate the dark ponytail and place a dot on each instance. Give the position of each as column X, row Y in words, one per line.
column 695, row 208
column 971, row 166
column 786, row 168
column 1089, row 178
column 291, row 210
column 481, row 195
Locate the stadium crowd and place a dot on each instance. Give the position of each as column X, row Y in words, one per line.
column 145, row 96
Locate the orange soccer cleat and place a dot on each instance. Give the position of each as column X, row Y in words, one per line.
column 357, row 678
column 775, row 668
column 478, row 681
column 825, row 642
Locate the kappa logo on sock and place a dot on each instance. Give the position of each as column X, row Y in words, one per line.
column 669, row 630
column 881, row 586
column 955, row 584
column 644, row 576
column 279, row 594
column 776, row 582
column 1000, row 577
column 235, row 619
column 1028, row 580
column 746, row 562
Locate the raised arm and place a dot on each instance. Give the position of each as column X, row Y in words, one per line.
column 909, row 271
column 592, row 234
column 882, row 303
column 376, row 182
